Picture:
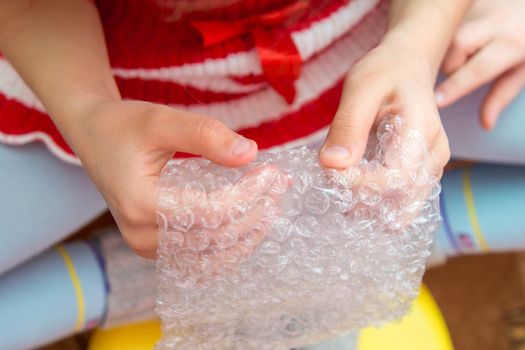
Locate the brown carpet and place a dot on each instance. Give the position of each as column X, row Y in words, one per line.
column 482, row 299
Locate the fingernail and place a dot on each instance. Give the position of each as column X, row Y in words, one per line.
column 241, row 146
column 336, row 153
column 439, row 97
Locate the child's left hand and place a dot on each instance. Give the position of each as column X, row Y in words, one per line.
column 393, row 78
column 397, row 77
column 489, row 45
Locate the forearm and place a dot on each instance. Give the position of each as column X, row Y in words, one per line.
column 58, row 48
column 426, row 25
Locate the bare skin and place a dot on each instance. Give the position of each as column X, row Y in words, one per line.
column 397, row 77
column 58, row 47
column 489, row 45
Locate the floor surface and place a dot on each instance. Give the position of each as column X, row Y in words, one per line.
column 482, row 299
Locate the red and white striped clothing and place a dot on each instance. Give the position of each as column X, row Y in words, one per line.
column 158, row 54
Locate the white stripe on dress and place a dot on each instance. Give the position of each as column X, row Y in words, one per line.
column 318, row 75
column 45, row 138
column 312, row 140
column 309, row 41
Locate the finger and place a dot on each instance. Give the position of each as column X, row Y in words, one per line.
column 226, row 212
column 455, row 57
column 236, row 233
column 480, row 69
column 348, row 134
column 500, row 95
column 208, row 137
column 441, row 152
column 404, row 167
column 258, row 192
column 231, row 244
column 231, row 233
column 431, row 169
column 469, row 39
column 257, row 182
column 416, row 105
column 422, row 133
column 135, row 216
column 142, row 239
column 262, row 180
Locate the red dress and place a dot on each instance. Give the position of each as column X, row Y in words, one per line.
column 270, row 69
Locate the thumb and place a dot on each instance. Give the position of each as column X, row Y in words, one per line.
column 348, row 134
column 181, row 131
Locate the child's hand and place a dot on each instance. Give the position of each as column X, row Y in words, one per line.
column 392, row 78
column 218, row 230
column 489, row 45
column 124, row 146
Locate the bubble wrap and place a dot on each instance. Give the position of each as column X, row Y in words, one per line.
column 283, row 253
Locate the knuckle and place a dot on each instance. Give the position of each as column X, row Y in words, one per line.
column 346, row 114
column 445, row 158
column 454, row 83
column 140, row 244
column 357, row 77
column 465, row 38
column 514, row 36
column 476, row 70
column 448, row 65
column 134, row 242
column 154, row 118
column 434, row 132
column 208, row 128
column 436, row 128
column 461, row 41
column 346, row 128
column 444, row 151
column 131, row 212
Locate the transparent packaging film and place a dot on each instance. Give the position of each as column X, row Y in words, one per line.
column 284, row 253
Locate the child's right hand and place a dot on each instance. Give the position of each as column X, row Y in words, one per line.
column 125, row 145
column 122, row 145
column 489, row 45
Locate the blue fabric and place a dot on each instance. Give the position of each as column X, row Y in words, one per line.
column 38, row 301
column 499, row 201
column 42, row 201
column 505, row 144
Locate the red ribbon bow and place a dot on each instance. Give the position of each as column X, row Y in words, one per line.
column 280, row 59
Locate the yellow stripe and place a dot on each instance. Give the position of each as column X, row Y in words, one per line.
column 471, row 208
column 79, row 324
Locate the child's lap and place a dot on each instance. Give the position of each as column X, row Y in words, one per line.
column 44, row 200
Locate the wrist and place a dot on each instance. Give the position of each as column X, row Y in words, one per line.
column 425, row 27
column 76, row 118
column 422, row 54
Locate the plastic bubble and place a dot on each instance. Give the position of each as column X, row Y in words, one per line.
column 282, row 253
